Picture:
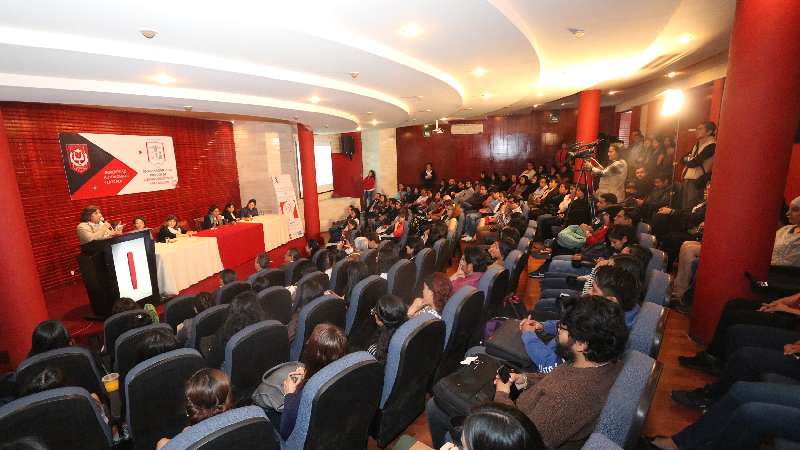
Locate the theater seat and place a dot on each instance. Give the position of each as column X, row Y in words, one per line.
column 227, row 293
column 337, row 405
column 643, row 227
column 494, row 284
column 524, row 244
column 401, row 278
column 338, row 281
column 319, row 259
column 530, row 232
column 648, row 329
column 425, row 263
column 242, row 429
column 275, row 277
column 314, row 277
column 76, row 364
column 325, row 309
column 629, row 399
column 597, row 441
column 126, row 348
column 442, row 251
column 277, row 303
column 514, row 265
column 647, row 240
column 412, row 357
column 156, row 406
column 61, row 419
column 119, row 323
column 658, row 288
column 179, row 309
column 359, row 324
column 658, row 261
column 294, row 270
column 205, row 325
column 370, row 258
column 252, row 351
column 462, row 316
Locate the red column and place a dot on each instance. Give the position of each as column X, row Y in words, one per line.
column 308, row 169
column 756, row 132
column 588, row 124
column 716, row 99
column 22, row 306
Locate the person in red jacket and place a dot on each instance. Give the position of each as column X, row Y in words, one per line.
column 369, row 188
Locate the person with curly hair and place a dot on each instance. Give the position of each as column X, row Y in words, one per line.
column 436, row 290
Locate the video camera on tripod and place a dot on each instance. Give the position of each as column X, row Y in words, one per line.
column 584, row 150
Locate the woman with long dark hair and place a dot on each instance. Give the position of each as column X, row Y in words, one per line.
column 436, row 290
column 49, row 335
column 494, row 426
column 244, row 310
column 389, row 313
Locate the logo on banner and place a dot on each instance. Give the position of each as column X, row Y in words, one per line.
column 78, row 156
column 155, row 153
column 289, row 208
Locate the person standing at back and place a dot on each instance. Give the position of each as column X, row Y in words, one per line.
column 428, row 176
column 698, row 163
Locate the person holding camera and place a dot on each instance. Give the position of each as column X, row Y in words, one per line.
column 612, row 176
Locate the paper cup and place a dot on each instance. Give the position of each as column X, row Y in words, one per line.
column 111, row 382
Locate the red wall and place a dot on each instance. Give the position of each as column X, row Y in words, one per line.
column 206, row 164
column 347, row 173
column 506, row 144
column 793, row 181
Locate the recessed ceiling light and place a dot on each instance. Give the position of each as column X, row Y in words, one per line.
column 539, row 94
column 486, row 95
column 479, row 71
column 443, row 119
column 187, row 108
column 613, row 92
column 374, row 122
column 369, row 112
column 536, row 105
column 162, row 78
column 314, row 99
column 672, row 75
column 411, row 30
column 685, row 38
column 358, row 128
column 149, row 34
column 427, row 110
column 327, row 126
column 233, row 121
column 565, row 103
column 577, row 32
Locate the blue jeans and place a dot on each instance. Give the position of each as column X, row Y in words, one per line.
column 747, row 414
column 368, row 198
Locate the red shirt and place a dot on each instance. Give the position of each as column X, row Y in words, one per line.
column 597, row 236
column 369, row 183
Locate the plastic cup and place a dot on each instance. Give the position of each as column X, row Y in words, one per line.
column 111, row 382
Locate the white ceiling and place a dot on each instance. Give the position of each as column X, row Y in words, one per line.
column 267, row 58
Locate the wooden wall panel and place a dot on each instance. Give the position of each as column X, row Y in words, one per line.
column 206, row 165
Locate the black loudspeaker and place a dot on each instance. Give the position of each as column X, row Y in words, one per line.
column 348, row 144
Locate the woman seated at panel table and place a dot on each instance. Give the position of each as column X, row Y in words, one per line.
column 170, row 230
column 250, row 210
column 229, row 213
column 213, row 218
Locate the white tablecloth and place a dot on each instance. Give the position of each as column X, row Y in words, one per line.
column 185, row 262
column 276, row 229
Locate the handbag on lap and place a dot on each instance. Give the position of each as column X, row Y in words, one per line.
column 269, row 394
column 506, row 344
column 467, row 387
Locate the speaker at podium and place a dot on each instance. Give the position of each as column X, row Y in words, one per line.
column 122, row 266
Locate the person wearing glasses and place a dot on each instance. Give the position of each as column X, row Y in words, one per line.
column 389, row 314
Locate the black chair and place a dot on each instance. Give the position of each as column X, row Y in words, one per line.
column 154, row 389
column 462, row 316
column 402, row 278
column 205, row 325
column 294, row 270
column 338, row 281
column 277, row 303
column 515, row 264
column 442, row 251
column 414, row 352
column 61, row 419
column 179, row 309
column 251, row 352
column 359, row 325
column 313, row 277
column 241, row 428
column 425, row 262
column 337, row 405
column 227, row 293
column 274, row 277
column 325, row 309
column 370, row 258
column 119, row 323
column 319, row 260
column 494, row 284
column 127, row 346
column 76, row 364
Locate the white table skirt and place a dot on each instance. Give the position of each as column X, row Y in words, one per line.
column 185, row 262
column 276, row 230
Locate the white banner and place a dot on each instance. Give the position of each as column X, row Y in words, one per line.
column 287, row 204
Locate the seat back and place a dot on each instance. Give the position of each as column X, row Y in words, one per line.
column 126, row 348
column 179, row 309
column 643, row 228
column 629, row 399
column 244, row 428
column 462, row 316
column 277, row 303
column 313, row 277
column 154, row 389
column 401, row 244
column 274, row 277
column 442, row 251
column 121, row 322
column 338, row 281
column 294, row 270
column 647, row 240
column 370, row 258
column 206, row 324
column 597, row 441
column 61, row 419
column 359, row 325
column 325, row 309
column 494, row 284
column 648, row 329
column 252, row 351
column 514, row 265
column 320, row 259
column 353, row 380
column 658, row 288
column 413, row 354
column 76, row 364
column 227, row 293
column 658, row 261
column 401, row 278
column 425, row 262
column 524, row 244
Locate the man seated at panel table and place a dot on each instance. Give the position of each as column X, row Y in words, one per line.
column 94, row 228
column 213, row 218
column 250, row 210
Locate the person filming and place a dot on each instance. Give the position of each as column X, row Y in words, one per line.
column 612, row 176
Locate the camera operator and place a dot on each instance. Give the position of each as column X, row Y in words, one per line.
column 612, row 176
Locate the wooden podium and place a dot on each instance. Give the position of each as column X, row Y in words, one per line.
column 123, row 266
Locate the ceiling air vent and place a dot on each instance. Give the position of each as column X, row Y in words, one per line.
column 662, row 61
